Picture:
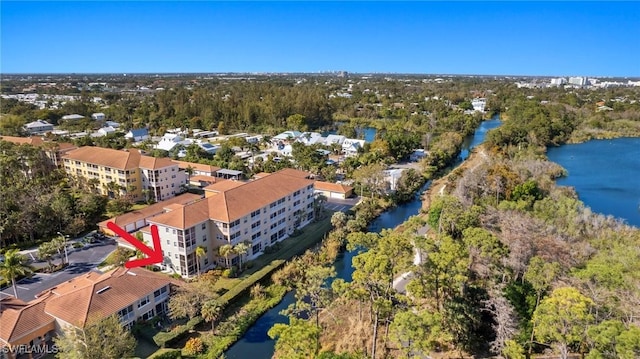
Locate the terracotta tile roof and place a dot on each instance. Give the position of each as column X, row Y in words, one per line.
column 261, row 174
column 66, row 146
column 332, row 187
column 184, row 216
column 239, row 202
column 197, row 166
column 150, row 211
column 233, row 203
column 223, row 186
column 32, row 140
column 152, row 163
column 19, row 318
column 106, row 157
column 207, row 179
column 294, row 173
column 97, row 295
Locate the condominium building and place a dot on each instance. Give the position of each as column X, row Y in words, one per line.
column 134, row 174
column 260, row 212
column 131, row 294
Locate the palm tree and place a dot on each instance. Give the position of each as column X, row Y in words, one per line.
column 318, row 205
column 14, row 265
column 46, row 251
column 241, row 249
column 225, row 251
column 200, row 252
column 211, row 311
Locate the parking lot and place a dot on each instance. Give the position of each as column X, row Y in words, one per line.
column 342, row 205
column 81, row 260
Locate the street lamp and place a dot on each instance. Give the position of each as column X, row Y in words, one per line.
column 66, row 255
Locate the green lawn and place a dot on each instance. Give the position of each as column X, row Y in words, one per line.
column 289, row 248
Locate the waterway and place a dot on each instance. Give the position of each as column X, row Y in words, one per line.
column 605, row 174
column 256, row 344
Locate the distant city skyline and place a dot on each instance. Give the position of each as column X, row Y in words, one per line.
column 465, row 38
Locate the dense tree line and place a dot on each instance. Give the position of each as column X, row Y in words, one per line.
column 39, row 200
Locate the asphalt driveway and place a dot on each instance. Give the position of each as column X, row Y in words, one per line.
column 81, row 260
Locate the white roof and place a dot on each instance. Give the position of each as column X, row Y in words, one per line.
column 72, row 117
column 38, row 123
column 339, row 139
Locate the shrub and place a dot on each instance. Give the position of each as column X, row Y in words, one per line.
column 163, row 338
column 249, row 282
column 229, row 272
column 193, row 346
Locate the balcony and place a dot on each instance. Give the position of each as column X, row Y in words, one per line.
column 127, row 318
column 161, row 298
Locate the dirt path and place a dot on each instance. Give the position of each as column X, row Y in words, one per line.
column 438, row 188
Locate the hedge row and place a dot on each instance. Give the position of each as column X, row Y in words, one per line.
column 248, row 282
column 163, row 338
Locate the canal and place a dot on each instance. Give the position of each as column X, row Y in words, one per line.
column 256, row 344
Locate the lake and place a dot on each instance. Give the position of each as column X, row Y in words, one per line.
column 605, row 174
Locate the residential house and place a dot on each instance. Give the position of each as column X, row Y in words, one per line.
column 133, row 172
column 137, row 135
column 170, row 140
column 72, row 117
column 333, row 190
column 38, row 127
column 104, row 131
column 285, row 138
column 262, row 212
column 310, row 138
column 337, row 139
column 351, row 147
column 208, row 148
column 131, row 294
column 112, row 124
column 98, row 116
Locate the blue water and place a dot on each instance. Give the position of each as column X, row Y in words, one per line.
column 256, row 344
column 606, row 175
column 478, row 137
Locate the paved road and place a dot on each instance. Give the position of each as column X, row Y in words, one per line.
column 81, row 260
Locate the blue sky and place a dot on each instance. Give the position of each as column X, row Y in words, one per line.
column 519, row 38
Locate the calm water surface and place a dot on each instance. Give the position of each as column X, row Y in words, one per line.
column 606, row 175
column 256, row 344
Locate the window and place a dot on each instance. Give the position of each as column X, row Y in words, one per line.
column 148, row 315
column 144, row 301
column 204, row 226
column 256, row 236
column 256, row 248
column 160, row 292
column 126, row 314
column 168, row 242
column 274, row 237
column 255, row 224
column 187, row 238
column 255, row 213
